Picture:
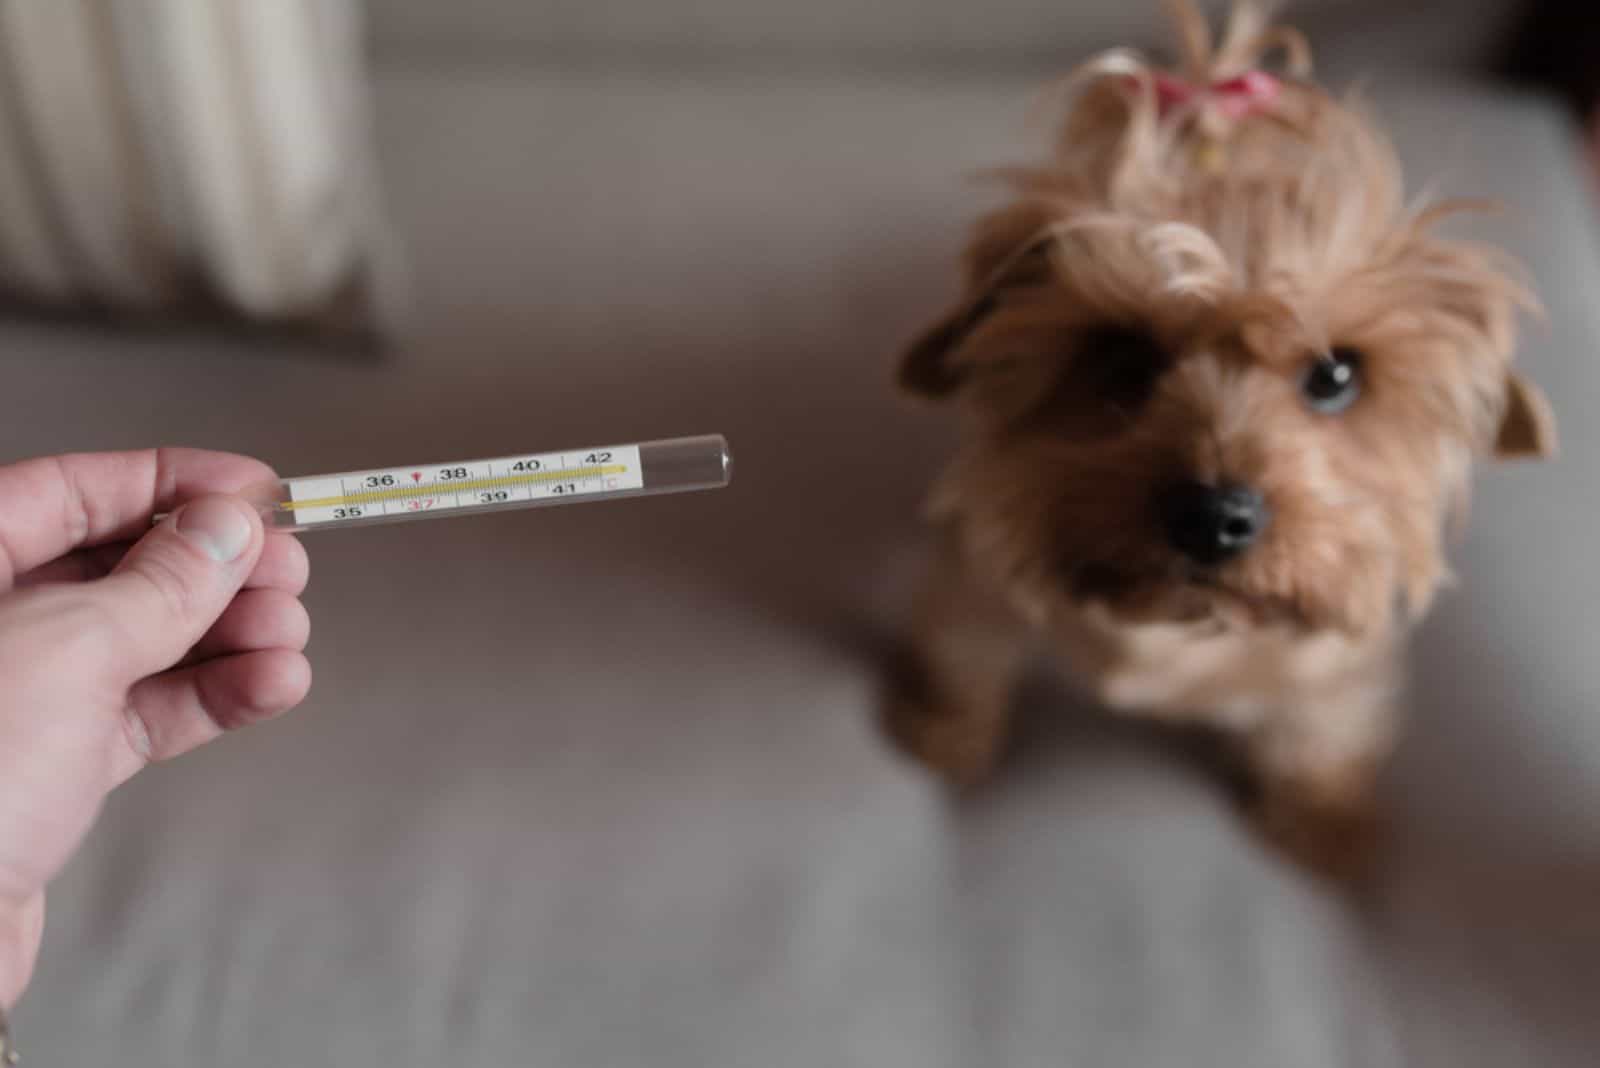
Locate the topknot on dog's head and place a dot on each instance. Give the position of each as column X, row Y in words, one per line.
column 1136, row 131
column 1227, row 185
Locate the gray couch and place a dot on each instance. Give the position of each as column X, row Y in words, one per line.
column 600, row 786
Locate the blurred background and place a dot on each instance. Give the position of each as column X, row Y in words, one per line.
column 601, row 785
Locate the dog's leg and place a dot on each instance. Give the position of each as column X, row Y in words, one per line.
column 950, row 707
column 1316, row 769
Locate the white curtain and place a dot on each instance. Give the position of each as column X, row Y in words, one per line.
column 157, row 151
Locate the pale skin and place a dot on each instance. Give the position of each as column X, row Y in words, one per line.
column 122, row 646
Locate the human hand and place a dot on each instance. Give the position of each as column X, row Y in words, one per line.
column 121, row 645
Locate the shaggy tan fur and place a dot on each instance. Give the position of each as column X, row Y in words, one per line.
column 1144, row 311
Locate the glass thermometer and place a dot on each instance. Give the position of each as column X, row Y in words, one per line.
column 529, row 480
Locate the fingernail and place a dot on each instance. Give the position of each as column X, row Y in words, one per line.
column 138, row 732
column 217, row 526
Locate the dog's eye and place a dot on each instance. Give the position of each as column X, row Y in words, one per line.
column 1105, row 375
column 1120, row 365
column 1333, row 383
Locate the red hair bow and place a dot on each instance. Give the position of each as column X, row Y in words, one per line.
column 1233, row 97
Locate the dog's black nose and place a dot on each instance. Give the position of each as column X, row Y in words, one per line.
column 1210, row 524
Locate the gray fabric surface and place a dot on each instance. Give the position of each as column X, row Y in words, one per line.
column 598, row 786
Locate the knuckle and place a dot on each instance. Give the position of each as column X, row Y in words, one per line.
column 302, row 626
column 301, row 564
column 223, row 711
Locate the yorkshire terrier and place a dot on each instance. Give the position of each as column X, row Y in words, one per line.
column 1222, row 388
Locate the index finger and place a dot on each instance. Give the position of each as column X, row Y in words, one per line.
column 53, row 505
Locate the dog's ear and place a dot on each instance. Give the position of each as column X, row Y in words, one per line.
column 1008, row 247
column 1527, row 425
column 925, row 367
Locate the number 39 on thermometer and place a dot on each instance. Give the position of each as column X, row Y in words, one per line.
column 425, row 491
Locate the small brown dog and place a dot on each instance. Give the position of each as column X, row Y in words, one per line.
column 1223, row 387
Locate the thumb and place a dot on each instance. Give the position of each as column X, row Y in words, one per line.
column 171, row 586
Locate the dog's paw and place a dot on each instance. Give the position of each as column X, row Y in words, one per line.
column 1338, row 841
column 961, row 748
